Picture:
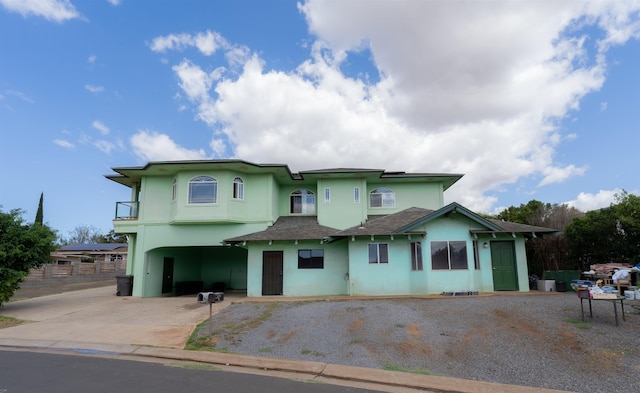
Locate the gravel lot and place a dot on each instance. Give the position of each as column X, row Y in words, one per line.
column 524, row 339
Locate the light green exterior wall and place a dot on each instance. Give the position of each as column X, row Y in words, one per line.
column 301, row 282
column 341, row 212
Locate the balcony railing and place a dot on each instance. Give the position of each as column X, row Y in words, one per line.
column 127, row 210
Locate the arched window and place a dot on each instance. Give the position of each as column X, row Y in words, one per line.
column 238, row 188
column 203, row 189
column 382, row 197
column 303, row 202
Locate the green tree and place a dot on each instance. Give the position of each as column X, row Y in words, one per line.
column 112, row 237
column 22, row 247
column 549, row 252
column 607, row 235
column 40, row 212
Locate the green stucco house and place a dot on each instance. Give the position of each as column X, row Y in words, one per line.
column 198, row 225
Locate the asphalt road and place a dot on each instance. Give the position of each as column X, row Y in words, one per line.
column 65, row 373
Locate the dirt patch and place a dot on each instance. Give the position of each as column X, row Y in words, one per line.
column 356, row 325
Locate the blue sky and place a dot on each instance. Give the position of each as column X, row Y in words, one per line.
column 530, row 100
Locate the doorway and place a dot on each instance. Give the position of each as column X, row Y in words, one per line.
column 272, row 273
column 503, row 261
column 167, row 275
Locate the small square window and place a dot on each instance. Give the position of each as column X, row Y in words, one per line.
column 311, row 259
column 378, row 253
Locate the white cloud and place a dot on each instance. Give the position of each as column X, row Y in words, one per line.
column 53, row 10
column 153, row 146
column 65, row 144
column 465, row 87
column 104, row 146
column 114, row 2
column 207, row 43
column 20, row 95
column 586, row 201
column 98, row 125
column 92, row 59
column 94, row 89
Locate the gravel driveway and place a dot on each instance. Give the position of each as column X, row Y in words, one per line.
column 524, row 339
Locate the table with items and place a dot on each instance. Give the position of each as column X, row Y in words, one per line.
column 585, row 294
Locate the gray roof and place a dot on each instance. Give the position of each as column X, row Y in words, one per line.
column 92, row 247
column 289, row 228
column 402, row 222
column 387, row 224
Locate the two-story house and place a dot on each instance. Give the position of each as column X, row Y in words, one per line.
column 266, row 230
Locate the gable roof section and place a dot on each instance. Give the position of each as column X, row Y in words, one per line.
column 289, row 228
column 450, row 209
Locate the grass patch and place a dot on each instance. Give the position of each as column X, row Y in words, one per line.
column 355, row 341
column 395, row 367
column 6, row 322
column 578, row 323
column 313, row 353
column 400, row 325
column 265, row 350
column 194, row 366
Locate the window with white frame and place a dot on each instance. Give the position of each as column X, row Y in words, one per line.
column 382, row 197
column 449, row 255
column 327, row 195
column 378, row 253
column 356, row 195
column 311, row 259
column 416, row 256
column 302, row 202
column 238, row 188
column 203, row 189
column 174, row 189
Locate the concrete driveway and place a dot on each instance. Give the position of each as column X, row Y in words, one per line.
column 98, row 316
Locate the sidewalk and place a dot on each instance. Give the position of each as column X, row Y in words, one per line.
column 96, row 322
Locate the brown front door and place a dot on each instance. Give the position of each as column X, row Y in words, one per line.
column 272, row 273
column 167, row 275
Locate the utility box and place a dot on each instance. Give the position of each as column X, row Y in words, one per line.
column 547, row 285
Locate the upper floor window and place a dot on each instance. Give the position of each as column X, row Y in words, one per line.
column 382, row 197
column 327, row 195
column 203, row 189
column 174, row 190
column 356, row 195
column 238, row 188
column 303, row 201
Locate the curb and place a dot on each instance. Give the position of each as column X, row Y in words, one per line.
column 313, row 369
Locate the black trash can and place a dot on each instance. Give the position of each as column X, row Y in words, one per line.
column 561, row 286
column 124, row 285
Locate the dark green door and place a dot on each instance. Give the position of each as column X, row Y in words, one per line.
column 503, row 260
column 272, row 273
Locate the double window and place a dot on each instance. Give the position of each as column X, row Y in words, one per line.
column 203, row 189
column 449, row 255
column 382, row 197
column 378, row 253
column 303, row 202
column 311, row 259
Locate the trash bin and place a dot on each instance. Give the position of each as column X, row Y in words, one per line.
column 124, row 285
column 561, row 286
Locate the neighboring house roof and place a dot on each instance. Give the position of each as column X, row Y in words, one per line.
column 93, row 247
column 289, row 228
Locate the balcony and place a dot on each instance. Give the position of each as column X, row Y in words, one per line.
column 127, row 210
